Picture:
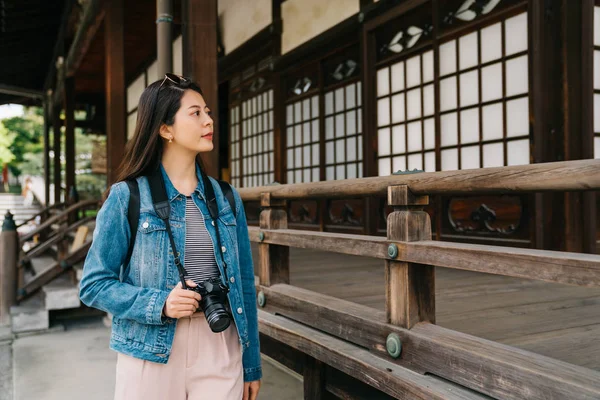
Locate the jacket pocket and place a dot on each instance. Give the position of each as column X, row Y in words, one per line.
column 149, row 255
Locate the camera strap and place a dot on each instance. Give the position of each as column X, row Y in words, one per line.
column 163, row 210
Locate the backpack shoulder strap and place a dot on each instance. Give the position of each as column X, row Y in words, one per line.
column 133, row 214
column 228, row 193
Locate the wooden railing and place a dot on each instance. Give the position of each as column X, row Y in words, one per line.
column 44, row 214
column 68, row 221
column 365, row 343
column 61, row 217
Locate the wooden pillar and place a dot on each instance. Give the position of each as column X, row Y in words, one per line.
column 314, row 379
column 56, row 134
column 69, row 135
column 578, row 103
column 200, row 63
column 562, row 102
column 369, row 124
column 115, row 87
column 47, row 151
column 274, row 260
column 410, row 288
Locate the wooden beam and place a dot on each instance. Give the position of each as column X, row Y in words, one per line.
column 579, row 175
column 200, row 63
column 357, row 362
column 59, row 46
column 69, row 135
column 89, row 25
column 543, row 265
column 115, row 87
column 488, row 367
column 18, row 91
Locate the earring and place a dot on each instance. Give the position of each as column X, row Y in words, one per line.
column 171, row 139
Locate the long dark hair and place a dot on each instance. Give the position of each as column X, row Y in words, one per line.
column 144, row 151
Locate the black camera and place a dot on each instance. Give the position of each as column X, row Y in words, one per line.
column 214, row 303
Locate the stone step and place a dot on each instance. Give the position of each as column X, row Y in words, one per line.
column 30, row 315
column 61, row 294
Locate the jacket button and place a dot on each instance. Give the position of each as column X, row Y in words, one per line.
column 213, row 223
column 145, row 225
column 239, row 310
column 232, row 279
column 223, row 249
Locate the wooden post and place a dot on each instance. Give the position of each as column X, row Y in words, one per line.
column 46, row 152
column 200, row 63
column 410, row 288
column 274, row 260
column 69, row 101
column 115, row 87
column 9, row 250
column 56, row 141
column 314, row 379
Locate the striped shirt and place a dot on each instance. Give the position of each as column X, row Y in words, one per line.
column 199, row 261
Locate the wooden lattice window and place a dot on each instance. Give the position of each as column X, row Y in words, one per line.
column 257, row 139
column 302, row 140
column 481, row 118
column 251, row 103
column 323, row 119
column 343, row 132
column 235, row 145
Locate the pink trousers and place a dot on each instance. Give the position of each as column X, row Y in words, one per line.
column 202, row 365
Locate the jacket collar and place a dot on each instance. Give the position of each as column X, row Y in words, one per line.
column 172, row 193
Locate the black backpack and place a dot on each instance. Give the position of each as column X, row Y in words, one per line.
column 133, row 211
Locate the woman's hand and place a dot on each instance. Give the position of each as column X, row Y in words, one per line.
column 251, row 390
column 181, row 302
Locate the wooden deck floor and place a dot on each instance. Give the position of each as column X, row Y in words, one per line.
column 558, row 321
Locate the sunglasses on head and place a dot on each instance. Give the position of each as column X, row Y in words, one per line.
column 176, row 79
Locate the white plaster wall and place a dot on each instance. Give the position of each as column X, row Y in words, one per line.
column 242, row 19
column 305, row 19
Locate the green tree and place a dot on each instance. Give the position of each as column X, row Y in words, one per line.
column 6, row 140
column 28, row 133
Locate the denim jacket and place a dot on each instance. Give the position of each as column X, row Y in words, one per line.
column 135, row 296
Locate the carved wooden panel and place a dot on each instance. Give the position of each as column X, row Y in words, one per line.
column 348, row 212
column 303, row 212
column 501, row 216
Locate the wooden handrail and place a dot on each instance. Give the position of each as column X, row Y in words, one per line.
column 578, row 175
column 488, row 367
column 359, row 363
column 409, row 257
column 39, row 249
column 58, row 268
column 39, row 214
column 45, row 225
column 542, row 265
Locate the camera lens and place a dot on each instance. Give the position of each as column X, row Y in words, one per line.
column 216, row 315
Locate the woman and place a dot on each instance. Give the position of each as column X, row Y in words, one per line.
column 166, row 349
